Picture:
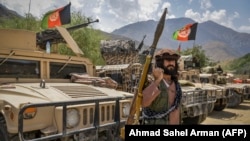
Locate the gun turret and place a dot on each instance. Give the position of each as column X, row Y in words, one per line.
column 54, row 37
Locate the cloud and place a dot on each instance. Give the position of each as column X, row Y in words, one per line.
column 218, row 16
column 193, row 15
column 114, row 14
column 205, row 4
column 245, row 29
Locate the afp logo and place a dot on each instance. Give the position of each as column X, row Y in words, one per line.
column 234, row 132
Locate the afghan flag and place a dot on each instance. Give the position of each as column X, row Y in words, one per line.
column 188, row 32
column 56, row 17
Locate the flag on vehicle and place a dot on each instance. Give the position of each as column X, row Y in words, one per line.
column 56, row 17
column 188, row 32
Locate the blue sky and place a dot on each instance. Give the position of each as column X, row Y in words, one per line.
column 113, row 14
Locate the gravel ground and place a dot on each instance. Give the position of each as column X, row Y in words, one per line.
column 237, row 115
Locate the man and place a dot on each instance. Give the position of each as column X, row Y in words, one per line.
column 161, row 99
column 219, row 70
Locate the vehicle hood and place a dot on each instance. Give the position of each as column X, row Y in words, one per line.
column 208, row 86
column 53, row 92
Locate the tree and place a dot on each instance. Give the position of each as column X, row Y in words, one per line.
column 198, row 55
column 87, row 38
column 28, row 23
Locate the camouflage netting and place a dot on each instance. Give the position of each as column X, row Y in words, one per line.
column 96, row 81
column 119, row 52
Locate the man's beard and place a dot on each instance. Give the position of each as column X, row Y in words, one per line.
column 170, row 70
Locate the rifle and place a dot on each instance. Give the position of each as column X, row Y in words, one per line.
column 54, row 36
column 134, row 113
column 141, row 44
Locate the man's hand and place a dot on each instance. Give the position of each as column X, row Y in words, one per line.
column 158, row 75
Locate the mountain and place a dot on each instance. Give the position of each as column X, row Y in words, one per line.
column 6, row 13
column 220, row 43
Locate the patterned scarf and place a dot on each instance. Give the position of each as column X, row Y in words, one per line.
column 150, row 114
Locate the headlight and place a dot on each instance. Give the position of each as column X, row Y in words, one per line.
column 29, row 113
column 125, row 109
column 73, row 117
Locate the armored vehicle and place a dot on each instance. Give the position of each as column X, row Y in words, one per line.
column 122, row 63
column 191, row 71
column 195, row 102
column 236, row 92
column 39, row 99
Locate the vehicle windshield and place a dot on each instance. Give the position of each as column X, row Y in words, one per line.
column 13, row 68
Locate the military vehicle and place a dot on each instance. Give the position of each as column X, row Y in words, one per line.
column 40, row 101
column 122, row 63
column 194, row 103
column 236, row 92
column 199, row 103
column 190, row 74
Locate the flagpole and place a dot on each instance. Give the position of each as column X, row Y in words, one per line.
column 179, row 48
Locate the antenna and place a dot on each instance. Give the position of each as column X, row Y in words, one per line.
column 28, row 15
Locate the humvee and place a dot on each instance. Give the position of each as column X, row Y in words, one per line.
column 122, row 63
column 189, row 72
column 236, row 92
column 195, row 102
column 39, row 100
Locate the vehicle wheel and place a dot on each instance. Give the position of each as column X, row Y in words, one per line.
column 203, row 118
column 194, row 120
column 112, row 135
column 234, row 100
column 242, row 99
column 220, row 105
column 3, row 131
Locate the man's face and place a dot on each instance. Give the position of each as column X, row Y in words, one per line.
column 169, row 67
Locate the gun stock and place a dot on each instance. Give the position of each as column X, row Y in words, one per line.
column 134, row 113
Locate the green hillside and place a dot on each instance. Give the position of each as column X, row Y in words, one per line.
column 240, row 65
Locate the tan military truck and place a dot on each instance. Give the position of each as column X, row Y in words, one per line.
column 205, row 101
column 236, row 92
column 39, row 100
column 195, row 102
column 122, row 63
column 193, row 73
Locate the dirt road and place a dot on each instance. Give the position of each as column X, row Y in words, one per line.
column 237, row 115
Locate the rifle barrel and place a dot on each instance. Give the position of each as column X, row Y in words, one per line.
column 141, row 44
column 81, row 25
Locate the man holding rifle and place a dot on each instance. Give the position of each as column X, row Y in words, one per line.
column 161, row 98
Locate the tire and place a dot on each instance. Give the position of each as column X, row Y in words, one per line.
column 194, row 120
column 3, row 131
column 219, row 106
column 234, row 100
